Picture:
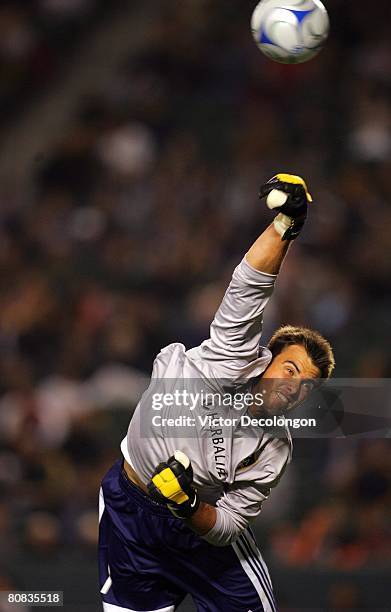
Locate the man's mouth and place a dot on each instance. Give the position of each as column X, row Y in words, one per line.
column 281, row 396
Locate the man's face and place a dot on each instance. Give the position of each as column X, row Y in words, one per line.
column 287, row 381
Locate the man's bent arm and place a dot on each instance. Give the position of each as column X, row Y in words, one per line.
column 268, row 251
column 218, row 526
column 203, row 520
column 237, row 326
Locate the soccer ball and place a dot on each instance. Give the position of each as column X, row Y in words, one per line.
column 290, row 31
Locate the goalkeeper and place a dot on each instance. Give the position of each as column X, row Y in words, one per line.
column 175, row 512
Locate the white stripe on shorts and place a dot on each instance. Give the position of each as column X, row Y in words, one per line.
column 107, row 585
column 112, row 608
column 256, row 565
column 260, row 589
column 101, row 504
column 248, row 537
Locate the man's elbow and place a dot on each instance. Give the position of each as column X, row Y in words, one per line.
column 226, row 529
column 221, row 541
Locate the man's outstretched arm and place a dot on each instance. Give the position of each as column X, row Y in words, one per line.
column 232, row 350
column 268, row 251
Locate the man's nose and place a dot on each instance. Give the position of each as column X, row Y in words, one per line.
column 291, row 387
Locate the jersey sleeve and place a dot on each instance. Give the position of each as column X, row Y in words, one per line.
column 232, row 349
column 243, row 501
column 234, row 511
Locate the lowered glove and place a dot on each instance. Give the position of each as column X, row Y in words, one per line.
column 289, row 195
column 171, row 484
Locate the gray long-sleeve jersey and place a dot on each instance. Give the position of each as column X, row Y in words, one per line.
column 234, row 466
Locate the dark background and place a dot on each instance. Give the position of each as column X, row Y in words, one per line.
column 134, row 137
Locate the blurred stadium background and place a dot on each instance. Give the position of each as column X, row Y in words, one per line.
column 134, row 136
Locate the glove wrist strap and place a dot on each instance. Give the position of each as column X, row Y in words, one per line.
column 186, row 510
column 282, row 223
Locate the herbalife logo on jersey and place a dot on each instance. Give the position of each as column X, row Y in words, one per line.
column 218, row 446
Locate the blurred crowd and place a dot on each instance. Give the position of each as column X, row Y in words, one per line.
column 347, row 526
column 130, row 232
column 37, row 37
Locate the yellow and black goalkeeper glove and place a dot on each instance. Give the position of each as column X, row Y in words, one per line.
column 172, row 484
column 288, row 194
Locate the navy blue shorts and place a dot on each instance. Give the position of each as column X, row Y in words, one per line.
column 150, row 560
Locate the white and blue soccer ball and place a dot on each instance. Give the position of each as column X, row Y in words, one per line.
column 290, row 31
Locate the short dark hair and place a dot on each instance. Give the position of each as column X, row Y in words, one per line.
column 317, row 347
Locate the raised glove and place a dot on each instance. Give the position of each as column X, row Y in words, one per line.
column 288, row 194
column 171, row 484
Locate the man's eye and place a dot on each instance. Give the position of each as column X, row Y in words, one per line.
column 290, row 371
